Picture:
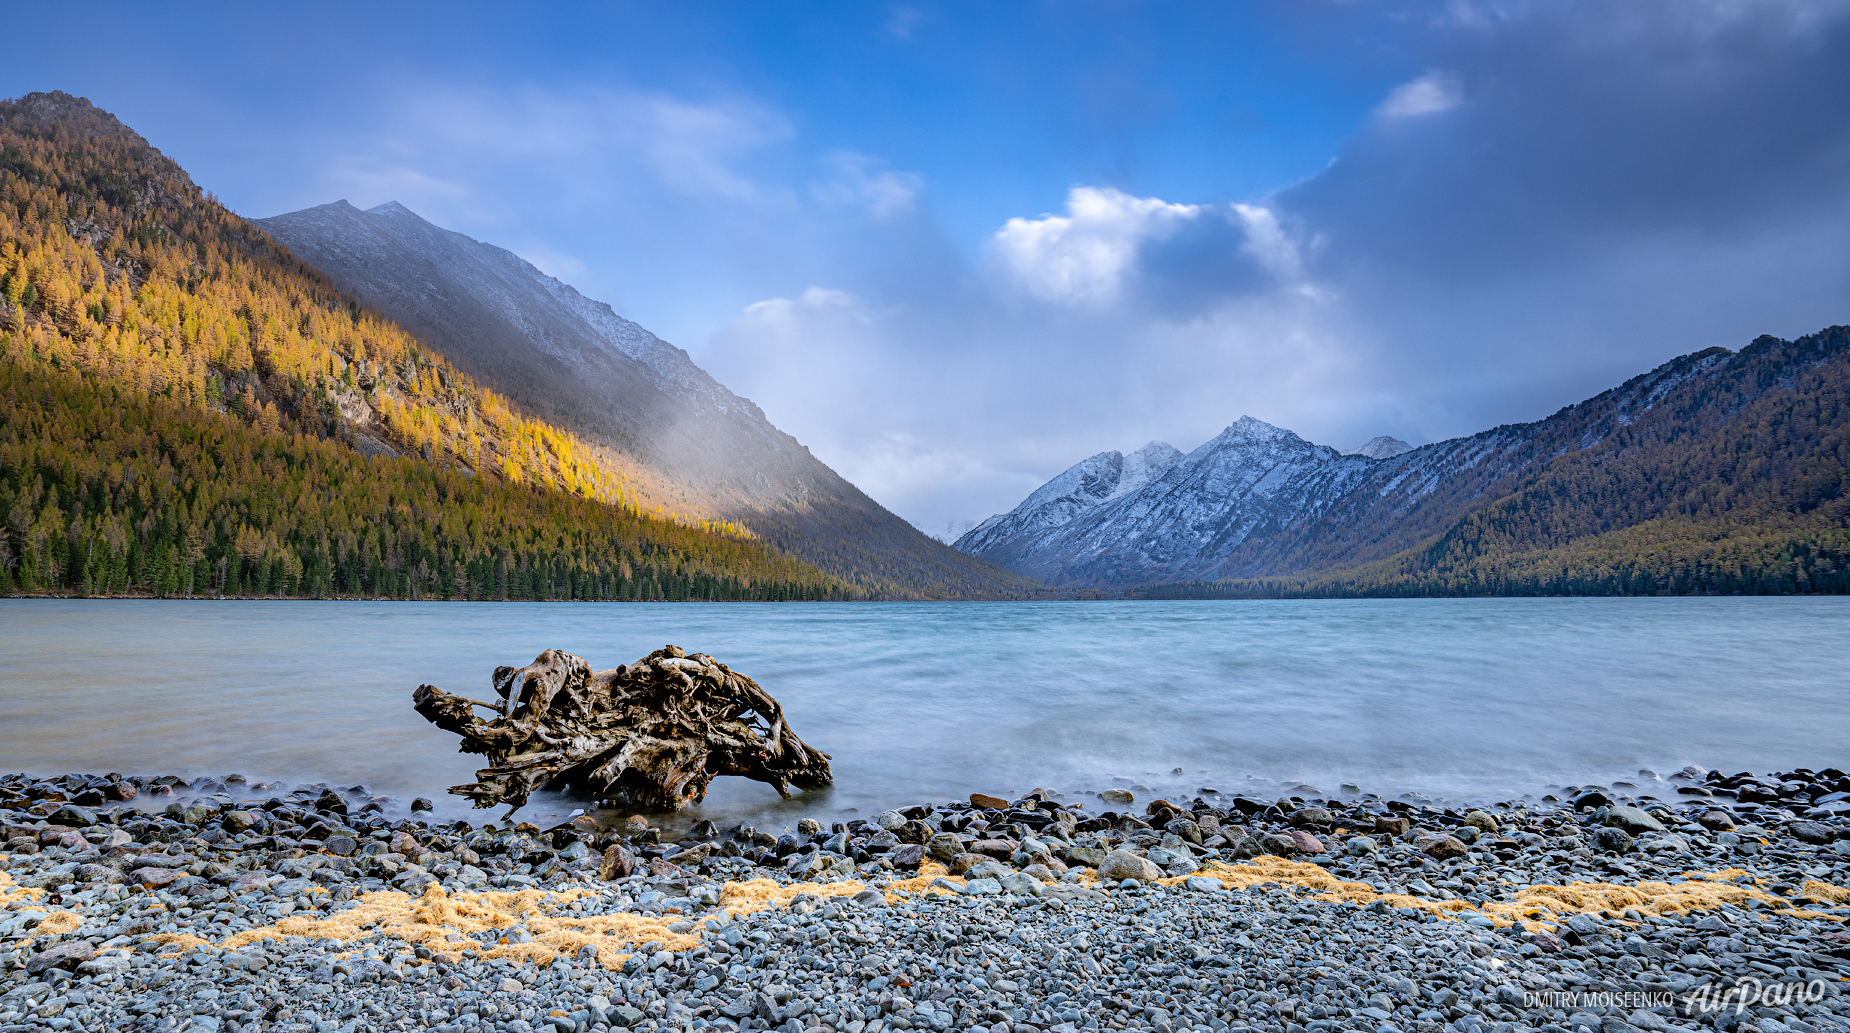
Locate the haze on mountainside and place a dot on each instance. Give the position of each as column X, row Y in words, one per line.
column 696, row 447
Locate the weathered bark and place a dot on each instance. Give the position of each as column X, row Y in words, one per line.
column 650, row 734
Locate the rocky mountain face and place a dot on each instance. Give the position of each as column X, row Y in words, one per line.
column 1687, row 441
column 702, row 450
column 1089, row 527
column 1084, row 486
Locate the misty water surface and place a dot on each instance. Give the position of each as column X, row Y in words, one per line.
column 1463, row 698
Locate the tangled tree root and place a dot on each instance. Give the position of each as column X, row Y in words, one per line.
column 650, row 734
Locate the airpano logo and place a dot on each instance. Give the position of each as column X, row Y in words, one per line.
column 1751, row 993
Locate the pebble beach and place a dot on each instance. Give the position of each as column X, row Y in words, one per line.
column 1691, row 901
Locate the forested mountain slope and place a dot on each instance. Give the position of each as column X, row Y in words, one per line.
column 689, row 443
column 187, row 408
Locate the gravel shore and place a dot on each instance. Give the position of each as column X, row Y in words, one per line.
column 151, row 904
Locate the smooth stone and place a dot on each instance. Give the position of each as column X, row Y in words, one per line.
column 1305, row 843
column 155, row 877
column 1319, row 817
column 69, row 954
column 1122, row 864
column 1634, row 820
column 1811, row 832
column 989, row 869
column 1612, row 840
column 1445, row 848
column 1021, row 884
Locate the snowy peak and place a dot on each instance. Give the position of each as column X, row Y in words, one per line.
column 1145, row 465
column 1247, row 429
column 1113, row 520
column 1083, row 486
column 1381, row 447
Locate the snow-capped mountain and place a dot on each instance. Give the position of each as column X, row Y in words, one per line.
column 1259, row 501
column 1382, row 447
column 698, row 448
column 1084, row 485
column 1094, row 526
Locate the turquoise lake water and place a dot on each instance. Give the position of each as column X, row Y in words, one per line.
column 1467, row 699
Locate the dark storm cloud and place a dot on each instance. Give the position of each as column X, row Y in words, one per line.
column 1578, row 125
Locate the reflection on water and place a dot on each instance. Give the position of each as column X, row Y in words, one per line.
column 1477, row 698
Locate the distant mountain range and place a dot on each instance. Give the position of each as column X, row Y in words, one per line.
column 1718, row 471
column 693, row 447
column 191, row 407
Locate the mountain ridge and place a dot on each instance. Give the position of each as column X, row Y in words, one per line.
column 1308, row 524
column 686, row 441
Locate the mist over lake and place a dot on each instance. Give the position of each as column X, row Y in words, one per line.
column 1472, row 698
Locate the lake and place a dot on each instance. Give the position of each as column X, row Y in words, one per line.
column 1478, row 699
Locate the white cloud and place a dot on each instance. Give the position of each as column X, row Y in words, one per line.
column 943, row 416
column 859, row 181
column 695, row 147
column 1083, row 256
column 1268, row 243
column 785, row 315
column 1428, row 95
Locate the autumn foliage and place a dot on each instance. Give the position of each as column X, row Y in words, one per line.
column 187, row 409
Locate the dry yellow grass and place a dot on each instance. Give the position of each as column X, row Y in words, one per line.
column 59, row 922
column 1825, row 891
column 449, row 923
column 1538, row 907
column 744, row 898
column 12, row 892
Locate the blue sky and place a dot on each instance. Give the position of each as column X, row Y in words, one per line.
column 956, row 248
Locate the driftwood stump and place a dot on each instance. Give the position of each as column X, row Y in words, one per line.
column 650, row 734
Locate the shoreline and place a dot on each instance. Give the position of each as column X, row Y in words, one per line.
column 309, row 908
